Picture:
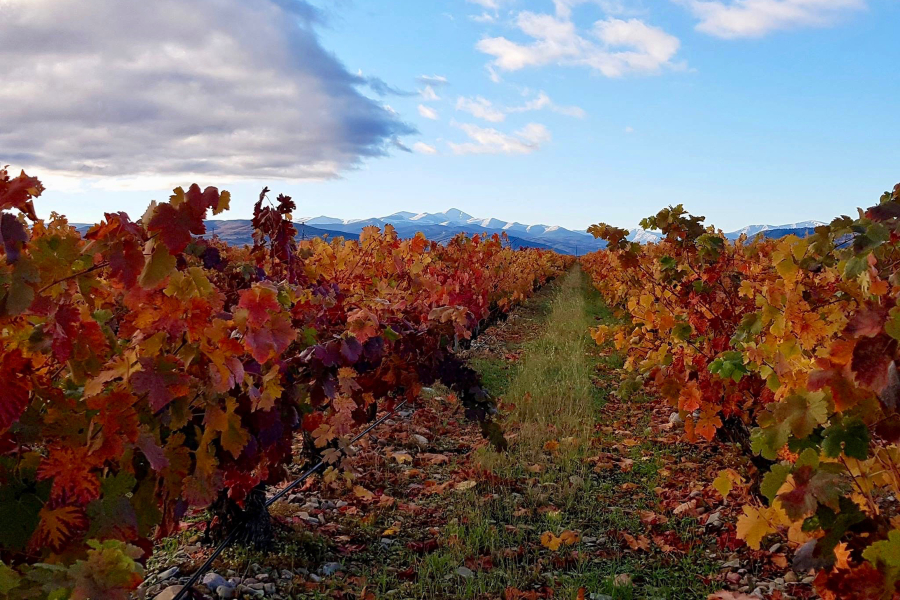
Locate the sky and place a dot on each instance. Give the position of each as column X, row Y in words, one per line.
column 565, row 112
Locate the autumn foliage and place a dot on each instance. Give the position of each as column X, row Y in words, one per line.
column 147, row 371
column 789, row 347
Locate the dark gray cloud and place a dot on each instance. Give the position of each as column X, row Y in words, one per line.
column 380, row 87
column 220, row 87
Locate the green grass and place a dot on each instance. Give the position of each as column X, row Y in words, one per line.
column 559, row 394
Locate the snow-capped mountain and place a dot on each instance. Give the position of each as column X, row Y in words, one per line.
column 642, row 236
column 751, row 230
column 442, row 226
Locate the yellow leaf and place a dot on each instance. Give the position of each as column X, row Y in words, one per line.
column 361, row 492
column 551, row 446
column 568, row 538
column 401, row 457
column 722, row 483
column 465, row 485
column 754, row 525
column 548, row 540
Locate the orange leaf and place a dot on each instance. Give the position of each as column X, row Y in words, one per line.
column 56, row 527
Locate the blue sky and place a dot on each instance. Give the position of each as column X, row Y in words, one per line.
column 567, row 113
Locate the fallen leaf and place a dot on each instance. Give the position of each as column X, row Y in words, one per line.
column 361, row 492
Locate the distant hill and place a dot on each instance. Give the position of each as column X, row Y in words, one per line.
column 768, row 230
column 239, row 232
column 443, row 226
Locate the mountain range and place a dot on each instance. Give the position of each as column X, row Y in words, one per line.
column 443, row 226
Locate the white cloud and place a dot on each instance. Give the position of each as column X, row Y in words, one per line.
column 543, row 101
column 432, row 80
column 428, row 94
column 489, row 4
column 491, row 141
column 622, row 46
column 220, row 88
column 484, row 17
column 629, row 129
column 755, row 18
column 423, row 148
column 428, row 112
column 610, row 7
column 492, row 73
column 483, row 108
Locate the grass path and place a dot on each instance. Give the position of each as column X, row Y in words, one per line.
column 437, row 513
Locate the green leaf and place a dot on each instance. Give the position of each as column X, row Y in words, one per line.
column 802, row 413
column 9, row 579
column 102, row 315
column 390, row 334
column 160, row 266
column 892, row 326
column 19, row 513
column 885, row 555
column 774, row 479
column 681, row 331
column 850, row 436
column 768, row 441
column 855, row 265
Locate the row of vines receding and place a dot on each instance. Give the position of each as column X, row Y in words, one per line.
column 789, row 348
column 148, row 370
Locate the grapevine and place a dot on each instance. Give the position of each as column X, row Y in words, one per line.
column 789, row 348
column 149, row 370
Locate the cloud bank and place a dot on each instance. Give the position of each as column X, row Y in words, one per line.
column 756, row 18
column 614, row 47
column 229, row 88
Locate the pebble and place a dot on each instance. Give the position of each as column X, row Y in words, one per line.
column 675, row 419
column 285, row 574
column 214, row 580
column 167, row 574
column 808, row 580
column 269, row 588
column 465, row 572
column 790, row 577
column 330, row 568
column 732, row 564
column 168, row 593
column 225, row 592
column 420, row 440
column 600, row 597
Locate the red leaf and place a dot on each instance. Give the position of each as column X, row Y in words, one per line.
column 126, row 261
column 15, row 373
column 162, row 381
column 175, row 225
column 868, row 322
column 871, row 359
column 18, row 193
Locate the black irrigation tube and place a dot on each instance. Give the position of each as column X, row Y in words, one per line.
column 234, row 532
